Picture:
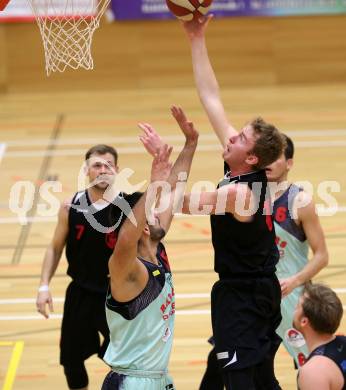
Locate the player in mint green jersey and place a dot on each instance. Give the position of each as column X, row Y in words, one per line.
column 297, row 228
column 140, row 304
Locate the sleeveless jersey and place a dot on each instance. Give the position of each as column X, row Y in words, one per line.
column 336, row 351
column 87, row 249
column 245, row 248
column 293, row 248
column 141, row 331
column 290, row 237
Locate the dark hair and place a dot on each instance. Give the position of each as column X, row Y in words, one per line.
column 322, row 307
column 102, row 149
column 289, row 149
column 269, row 143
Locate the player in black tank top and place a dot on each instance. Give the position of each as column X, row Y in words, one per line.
column 244, row 248
column 246, row 300
column 318, row 316
column 87, row 252
column 87, row 248
column 82, row 228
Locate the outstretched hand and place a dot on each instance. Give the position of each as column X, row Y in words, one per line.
column 197, row 26
column 150, row 138
column 161, row 167
column 187, row 127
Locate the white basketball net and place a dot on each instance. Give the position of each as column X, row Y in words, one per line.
column 67, row 28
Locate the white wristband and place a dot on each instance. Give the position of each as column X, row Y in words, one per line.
column 43, row 288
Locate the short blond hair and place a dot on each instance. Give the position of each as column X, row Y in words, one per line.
column 322, row 307
column 269, row 143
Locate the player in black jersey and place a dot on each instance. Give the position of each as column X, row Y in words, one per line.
column 82, row 227
column 297, row 228
column 245, row 302
column 317, row 317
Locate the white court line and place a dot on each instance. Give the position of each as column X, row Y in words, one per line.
column 170, row 138
column 2, row 151
column 16, row 301
column 30, row 317
column 319, row 144
column 10, row 220
column 330, row 210
column 340, row 290
column 59, row 316
column 141, row 150
column 103, row 140
column 81, row 152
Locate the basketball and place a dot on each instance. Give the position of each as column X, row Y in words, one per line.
column 186, row 10
column 3, row 4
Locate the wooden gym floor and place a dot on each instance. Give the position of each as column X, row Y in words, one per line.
column 45, row 136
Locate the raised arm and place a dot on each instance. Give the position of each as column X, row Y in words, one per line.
column 308, row 217
column 152, row 141
column 128, row 274
column 51, row 261
column 182, row 165
column 205, row 79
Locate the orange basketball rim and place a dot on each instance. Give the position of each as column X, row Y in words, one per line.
column 3, row 4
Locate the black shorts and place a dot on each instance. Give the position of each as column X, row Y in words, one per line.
column 245, row 314
column 84, row 317
column 113, row 381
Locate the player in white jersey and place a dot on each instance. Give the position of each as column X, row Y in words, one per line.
column 140, row 305
column 297, row 228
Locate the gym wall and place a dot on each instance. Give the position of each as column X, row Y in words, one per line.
column 155, row 54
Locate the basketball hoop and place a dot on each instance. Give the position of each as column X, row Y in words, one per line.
column 67, row 28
